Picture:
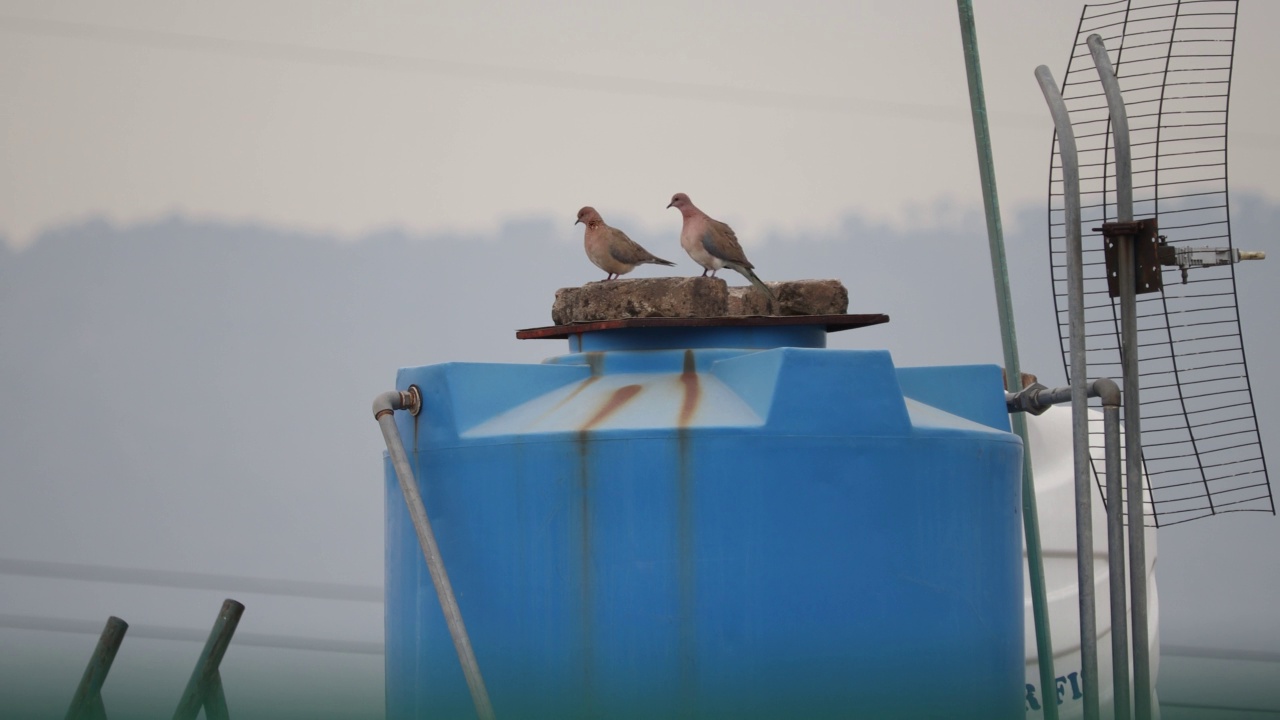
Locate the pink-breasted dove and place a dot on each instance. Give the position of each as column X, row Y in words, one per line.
column 712, row 244
column 610, row 248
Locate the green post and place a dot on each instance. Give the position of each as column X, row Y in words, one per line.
column 1009, row 339
column 87, row 702
column 204, row 689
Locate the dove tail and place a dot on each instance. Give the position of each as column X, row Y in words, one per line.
column 750, row 275
column 660, row 261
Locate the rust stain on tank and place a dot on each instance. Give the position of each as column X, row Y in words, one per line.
column 568, row 398
column 686, row 580
column 586, row 596
column 616, row 400
column 586, row 529
column 692, row 390
column 595, row 361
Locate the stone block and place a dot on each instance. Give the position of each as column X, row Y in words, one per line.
column 689, row 297
column 681, row 297
column 795, row 297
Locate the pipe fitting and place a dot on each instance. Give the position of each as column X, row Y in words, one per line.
column 1036, row 398
column 384, row 406
column 1106, row 390
column 1027, row 400
column 388, row 402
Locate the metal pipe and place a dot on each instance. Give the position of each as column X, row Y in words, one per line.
column 384, row 407
column 88, row 695
column 1115, row 552
column 1119, row 128
column 1036, row 398
column 1079, row 399
column 1009, row 343
column 1125, row 269
column 215, row 702
column 204, row 678
column 1106, row 390
column 1054, row 396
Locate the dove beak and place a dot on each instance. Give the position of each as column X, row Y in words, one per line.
column 673, row 202
column 575, row 222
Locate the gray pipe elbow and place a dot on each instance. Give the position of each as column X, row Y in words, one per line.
column 393, row 400
column 386, row 402
column 1107, row 391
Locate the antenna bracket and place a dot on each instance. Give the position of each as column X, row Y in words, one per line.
column 1146, row 253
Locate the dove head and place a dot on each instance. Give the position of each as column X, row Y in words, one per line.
column 681, row 202
column 589, row 216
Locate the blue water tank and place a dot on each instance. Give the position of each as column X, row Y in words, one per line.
column 711, row 522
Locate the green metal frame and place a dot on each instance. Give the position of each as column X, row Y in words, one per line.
column 204, row 689
column 1009, row 341
column 86, row 704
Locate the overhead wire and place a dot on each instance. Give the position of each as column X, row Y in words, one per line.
column 157, row 632
column 505, row 74
column 190, row 580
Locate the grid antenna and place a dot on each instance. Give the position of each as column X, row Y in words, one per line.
column 1202, row 451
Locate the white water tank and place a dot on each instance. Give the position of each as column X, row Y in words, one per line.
column 1051, row 458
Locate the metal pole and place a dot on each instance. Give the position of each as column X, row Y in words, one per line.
column 1013, row 369
column 88, row 695
column 205, row 675
column 1115, row 553
column 1133, row 451
column 1079, row 391
column 383, row 410
column 1133, row 476
column 1125, row 268
column 1119, row 127
column 215, row 701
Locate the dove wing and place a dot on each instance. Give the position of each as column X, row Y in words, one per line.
column 625, row 250
column 720, row 241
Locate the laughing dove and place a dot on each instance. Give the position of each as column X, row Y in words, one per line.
column 712, row 244
column 610, row 248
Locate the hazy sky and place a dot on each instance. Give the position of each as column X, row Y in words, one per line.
column 834, row 124
column 347, row 116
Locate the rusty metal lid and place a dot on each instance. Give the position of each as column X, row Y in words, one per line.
column 831, row 323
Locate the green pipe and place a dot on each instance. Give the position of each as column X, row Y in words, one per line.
column 204, row 689
column 87, row 702
column 1009, row 339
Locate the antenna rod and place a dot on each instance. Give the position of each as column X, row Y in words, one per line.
column 1126, row 267
column 1119, row 127
column 1115, row 517
column 1013, row 370
column 1079, row 389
